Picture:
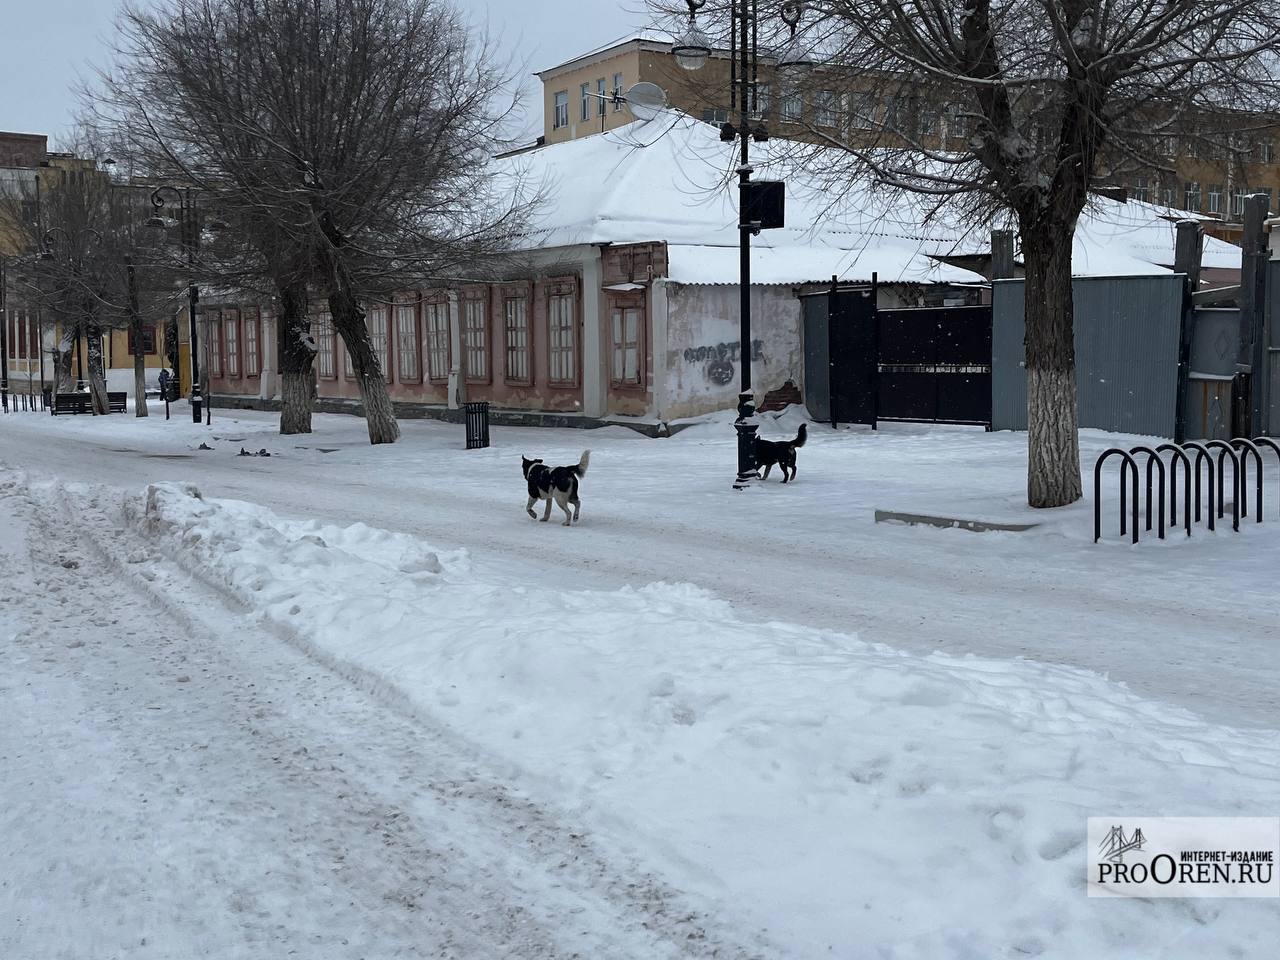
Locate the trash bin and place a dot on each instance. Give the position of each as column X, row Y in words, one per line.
column 477, row 415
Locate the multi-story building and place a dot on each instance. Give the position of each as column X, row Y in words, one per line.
column 29, row 171
column 1205, row 173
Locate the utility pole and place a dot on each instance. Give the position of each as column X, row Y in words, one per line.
column 1250, row 384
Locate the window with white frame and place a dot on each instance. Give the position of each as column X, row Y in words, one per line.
column 475, row 339
column 377, row 322
column 584, row 92
column 1265, row 151
column 1237, row 201
column 231, row 341
column 561, row 108
column 437, row 317
column 958, row 120
column 602, row 97
column 764, row 99
column 1214, row 198
column 791, row 107
column 407, row 342
column 562, row 339
column 715, row 116
column 1191, row 195
column 894, row 113
column 1141, row 189
column 213, row 349
column 617, row 92
column 862, row 110
column 825, row 104
column 628, row 357
column 322, row 330
column 252, row 357
column 926, row 120
column 1166, row 196
column 516, row 313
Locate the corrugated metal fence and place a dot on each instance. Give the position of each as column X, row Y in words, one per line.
column 1126, row 335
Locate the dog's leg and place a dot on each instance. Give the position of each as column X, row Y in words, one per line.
column 547, row 516
column 577, row 508
column 562, row 501
column 767, row 466
column 528, row 508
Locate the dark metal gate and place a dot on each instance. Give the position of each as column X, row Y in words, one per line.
column 934, row 365
column 919, row 364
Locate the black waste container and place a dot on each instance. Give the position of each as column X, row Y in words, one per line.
column 477, row 415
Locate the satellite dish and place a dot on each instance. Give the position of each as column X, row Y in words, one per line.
column 645, row 100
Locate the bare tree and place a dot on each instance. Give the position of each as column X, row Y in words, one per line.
column 1019, row 108
column 81, row 237
column 347, row 141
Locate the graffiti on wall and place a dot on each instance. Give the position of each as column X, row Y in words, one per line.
column 720, row 359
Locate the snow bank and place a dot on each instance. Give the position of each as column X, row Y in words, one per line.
column 853, row 800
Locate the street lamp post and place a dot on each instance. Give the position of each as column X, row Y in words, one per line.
column 691, row 51
column 189, row 229
column 4, row 337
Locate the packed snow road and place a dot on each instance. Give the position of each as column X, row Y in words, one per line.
column 181, row 782
column 1190, row 623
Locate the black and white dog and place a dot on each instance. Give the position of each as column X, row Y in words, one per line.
column 555, row 483
column 781, row 452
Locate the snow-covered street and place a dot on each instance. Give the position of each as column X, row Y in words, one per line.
column 179, row 782
column 351, row 701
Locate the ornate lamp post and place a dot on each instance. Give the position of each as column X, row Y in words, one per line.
column 189, row 232
column 692, row 50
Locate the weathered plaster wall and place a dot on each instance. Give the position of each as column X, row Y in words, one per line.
column 702, row 351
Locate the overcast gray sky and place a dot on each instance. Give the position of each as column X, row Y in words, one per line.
column 46, row 44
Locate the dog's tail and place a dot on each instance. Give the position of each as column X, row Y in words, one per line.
column 581, row 468
column 801, row 436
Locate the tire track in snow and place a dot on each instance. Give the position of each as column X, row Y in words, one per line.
column 305, row 816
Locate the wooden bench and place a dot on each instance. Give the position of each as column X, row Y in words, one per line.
column 117, row 402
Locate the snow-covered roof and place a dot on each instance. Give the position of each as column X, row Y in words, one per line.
column 672, row 179
column 1136, row 238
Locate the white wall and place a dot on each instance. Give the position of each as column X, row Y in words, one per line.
column 702, row 364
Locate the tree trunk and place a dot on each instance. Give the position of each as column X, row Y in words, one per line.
column 348, row 319
column 139, row 354
column 297, row 354
column 97, row 376
column 63, row 380
column 1053, row 442
column 139, row 376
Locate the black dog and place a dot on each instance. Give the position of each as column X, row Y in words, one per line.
column 559, row 484
column 781, row 452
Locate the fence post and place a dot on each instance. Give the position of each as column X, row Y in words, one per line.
column 1188, row 249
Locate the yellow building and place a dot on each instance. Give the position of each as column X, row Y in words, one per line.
column 1211, row 175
